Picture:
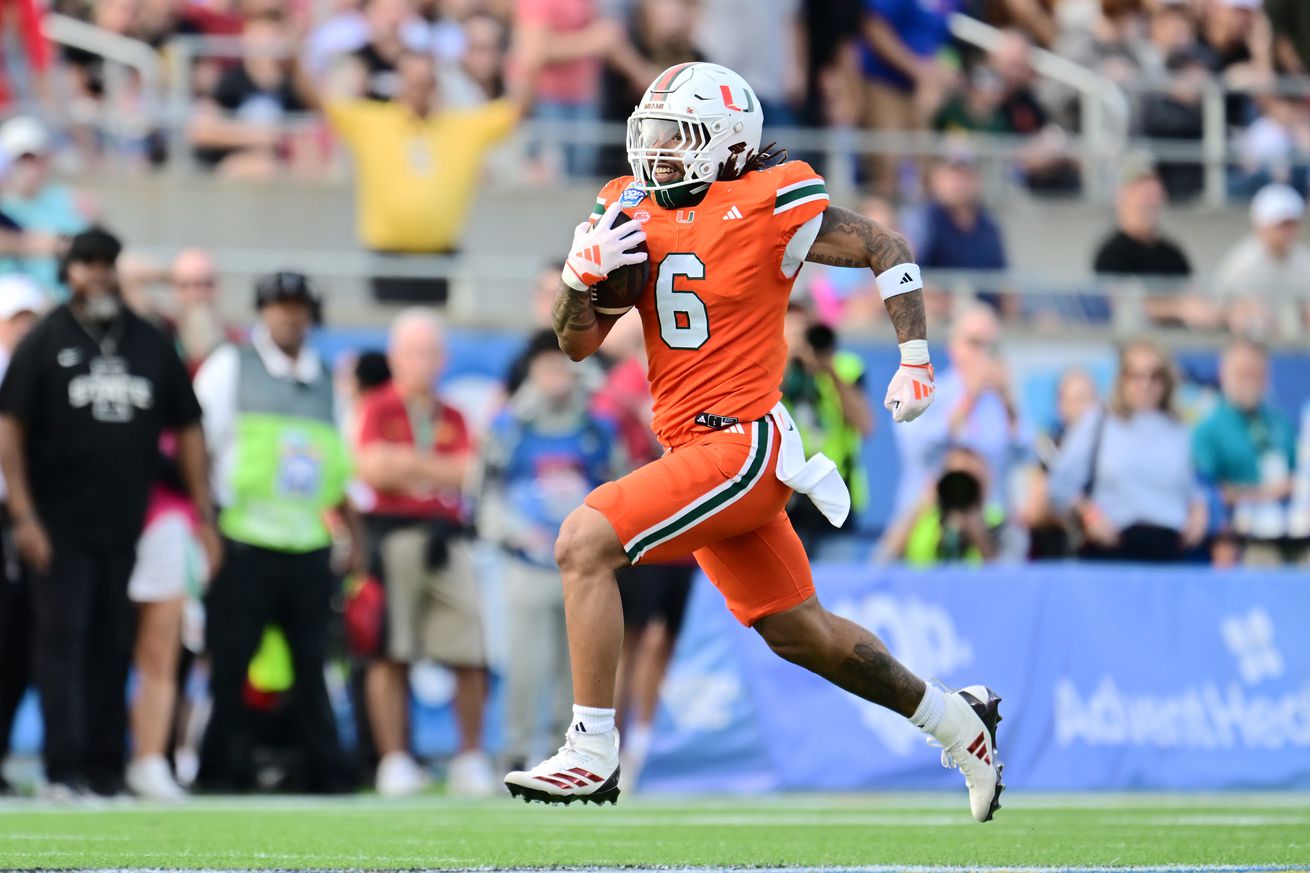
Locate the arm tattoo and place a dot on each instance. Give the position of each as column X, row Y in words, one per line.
column 572, row 311
column 907, row 315
column 848, row 239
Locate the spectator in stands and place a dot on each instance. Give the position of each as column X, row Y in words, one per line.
column 280, row 467
column 1138, row 249
column 1127, row 471
column 1246, row 450
column 414, row 454
column 1237, row 35
column 823, row 387
column 385, row 32
column 479, row 75
column 1048, row 529
column 1176, row 113
column 417, row 167
column 1290, row 22
column 1275, row 147
column 905, row 75
column 1110, row 41
column 563, row 44
column 239, row 128
column 46, row 210
column 975, row 408
column 974, row 108
column 543, row 454
column 1264, row 281
column 21, row 303
column 85, row 399
column 765, row 43
column 1170, row 29
column 952, row 523
column 954, row 229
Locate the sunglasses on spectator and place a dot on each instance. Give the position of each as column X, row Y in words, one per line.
column 1156, row 375
column 207, row 282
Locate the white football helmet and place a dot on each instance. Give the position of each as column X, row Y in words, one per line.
column 697, row 115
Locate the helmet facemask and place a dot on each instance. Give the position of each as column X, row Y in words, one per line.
column 670, row 157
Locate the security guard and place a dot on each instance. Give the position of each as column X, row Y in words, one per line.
column 280, row 466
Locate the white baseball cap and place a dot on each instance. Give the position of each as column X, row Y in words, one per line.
column 1276, row 204
column 20, row 293
column 23, row 136
column 1245, row 4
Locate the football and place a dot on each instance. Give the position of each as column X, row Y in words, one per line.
column 622, row 288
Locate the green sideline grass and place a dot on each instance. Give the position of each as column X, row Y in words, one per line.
column 364, row 833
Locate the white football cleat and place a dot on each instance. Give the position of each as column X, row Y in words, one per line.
column 585, row 768
column 970, row 719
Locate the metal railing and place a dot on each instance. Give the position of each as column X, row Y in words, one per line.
column 1106, row 114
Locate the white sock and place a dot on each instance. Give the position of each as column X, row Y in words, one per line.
column 592, row 720
column 928, row 716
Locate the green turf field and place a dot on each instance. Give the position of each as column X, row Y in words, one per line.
column 789, row 831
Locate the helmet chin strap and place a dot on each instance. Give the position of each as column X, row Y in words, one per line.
column 681, row 196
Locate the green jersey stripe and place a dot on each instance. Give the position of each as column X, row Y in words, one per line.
column 798, row 193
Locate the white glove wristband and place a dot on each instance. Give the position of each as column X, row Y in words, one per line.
column 900, row 279
column 914, row 352
column 568, row 277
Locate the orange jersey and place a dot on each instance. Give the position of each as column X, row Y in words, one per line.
column 714, row 307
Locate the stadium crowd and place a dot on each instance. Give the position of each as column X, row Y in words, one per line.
column 237, row 577
column 874, row 64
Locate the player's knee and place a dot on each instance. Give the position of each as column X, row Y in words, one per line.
column 585, row 542
column 798, row 634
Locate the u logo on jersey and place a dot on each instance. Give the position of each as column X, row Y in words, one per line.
column 686, row 216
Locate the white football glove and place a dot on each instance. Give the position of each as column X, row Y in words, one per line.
column 597, row 249
column 911, row 389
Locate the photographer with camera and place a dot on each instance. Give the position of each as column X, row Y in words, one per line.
column 951, row 524
column 823, row 388
column 975, row 408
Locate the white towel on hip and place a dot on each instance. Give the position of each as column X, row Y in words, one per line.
column 817, row 478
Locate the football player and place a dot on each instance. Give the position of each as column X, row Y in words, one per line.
column 727, row 228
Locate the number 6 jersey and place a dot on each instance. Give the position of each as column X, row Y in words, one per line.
column 720, row 276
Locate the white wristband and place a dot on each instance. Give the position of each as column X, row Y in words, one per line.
column 914, row 352
column 899, row 279
column 570, row 278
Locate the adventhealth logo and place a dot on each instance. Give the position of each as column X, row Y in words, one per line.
column 1209, row 715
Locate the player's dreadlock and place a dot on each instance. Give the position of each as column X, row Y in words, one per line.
column 765, row 157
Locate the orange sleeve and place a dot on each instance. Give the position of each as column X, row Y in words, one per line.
column 799, row 195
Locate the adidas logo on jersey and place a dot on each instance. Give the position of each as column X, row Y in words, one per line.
column 732, row 214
